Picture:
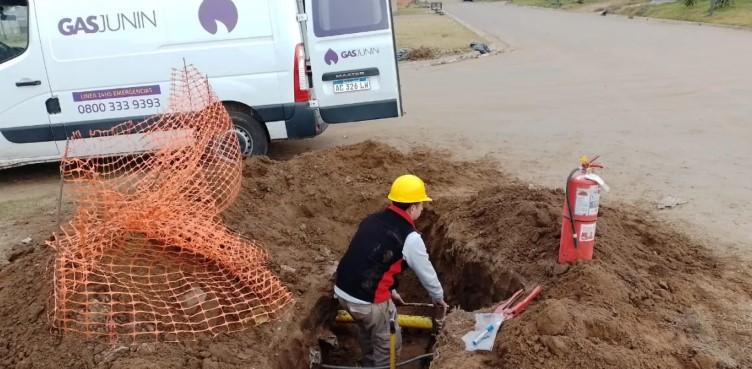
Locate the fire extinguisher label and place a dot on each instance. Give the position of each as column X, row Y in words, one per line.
column 587, row 232
column 587, row 201
column 582, row 201
column 595, row 199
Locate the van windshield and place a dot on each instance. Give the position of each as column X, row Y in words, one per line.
column 340, row 17
column 14, row 29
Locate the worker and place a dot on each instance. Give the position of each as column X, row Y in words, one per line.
column 366, row 275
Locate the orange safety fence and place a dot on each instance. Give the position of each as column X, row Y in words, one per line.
column 146, row 256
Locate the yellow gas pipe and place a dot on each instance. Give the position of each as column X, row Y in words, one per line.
column 405, row 321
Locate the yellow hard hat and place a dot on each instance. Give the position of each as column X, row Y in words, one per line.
column 408, row 189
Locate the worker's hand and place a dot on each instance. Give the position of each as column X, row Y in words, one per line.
column 441, row 307
column 441, row 304
column 397, row 299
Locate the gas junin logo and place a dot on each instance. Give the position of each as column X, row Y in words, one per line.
column 332, row 57
column 115, row 22
column 223, row 11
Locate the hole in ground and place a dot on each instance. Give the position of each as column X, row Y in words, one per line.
column 469, row 282
column 348, row 352
column 339, row 342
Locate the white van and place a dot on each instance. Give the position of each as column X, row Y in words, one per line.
column 284, row 68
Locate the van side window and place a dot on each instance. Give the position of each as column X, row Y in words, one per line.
column 340, row 17
column 14, row 29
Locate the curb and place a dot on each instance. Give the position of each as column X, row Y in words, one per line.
column 496, row 43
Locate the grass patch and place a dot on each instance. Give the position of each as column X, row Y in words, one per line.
column 738, row 14
column 412, row 10
column 541, row 3
column 571, row 4
column 431, row 34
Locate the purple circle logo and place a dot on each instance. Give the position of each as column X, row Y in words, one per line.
column 213, row 11
column 331, row 57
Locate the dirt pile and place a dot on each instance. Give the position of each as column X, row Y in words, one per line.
column 651, row 299
column 303, row 212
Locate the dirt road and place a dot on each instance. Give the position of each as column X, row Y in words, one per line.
column 666, row 104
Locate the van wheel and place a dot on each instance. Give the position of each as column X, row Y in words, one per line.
column 250, row 133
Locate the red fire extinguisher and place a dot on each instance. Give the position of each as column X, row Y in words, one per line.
column 582, row 199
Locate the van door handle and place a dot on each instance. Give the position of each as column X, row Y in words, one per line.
column 27, row 83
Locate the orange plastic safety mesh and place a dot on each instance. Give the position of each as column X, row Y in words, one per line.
column 146, row 256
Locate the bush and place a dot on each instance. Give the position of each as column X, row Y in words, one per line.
column 422, row 53
column 718, row 4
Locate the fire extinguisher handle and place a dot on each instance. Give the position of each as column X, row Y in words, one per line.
column 569, row 208
column 597, row 179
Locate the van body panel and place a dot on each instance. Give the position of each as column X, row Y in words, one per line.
column 24, row 105
column 243, row 60
column 102, row 63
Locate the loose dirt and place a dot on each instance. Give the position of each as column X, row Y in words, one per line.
column 652, row 298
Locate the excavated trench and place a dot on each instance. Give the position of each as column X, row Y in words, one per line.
column 651, row 295
column 469, row 282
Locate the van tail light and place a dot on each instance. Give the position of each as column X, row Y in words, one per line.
column 302, row 94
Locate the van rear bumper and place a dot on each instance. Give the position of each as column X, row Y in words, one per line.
column 301, row 121
column 305, row 122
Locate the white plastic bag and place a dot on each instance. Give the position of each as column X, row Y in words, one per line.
column 487, row 326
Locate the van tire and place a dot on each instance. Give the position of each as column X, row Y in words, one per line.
column 251, row 134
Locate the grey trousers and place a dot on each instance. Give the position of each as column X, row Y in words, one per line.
column 373, row 330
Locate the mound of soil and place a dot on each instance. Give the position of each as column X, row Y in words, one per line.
column 651, row 299
column 303, row 211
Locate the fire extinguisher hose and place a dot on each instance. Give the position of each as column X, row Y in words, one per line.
column 569, row 208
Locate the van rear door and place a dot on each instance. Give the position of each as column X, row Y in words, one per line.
column 352, row 53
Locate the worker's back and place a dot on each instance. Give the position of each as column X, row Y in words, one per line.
column 374, row 257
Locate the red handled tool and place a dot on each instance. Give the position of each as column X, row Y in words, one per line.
column 508, row 311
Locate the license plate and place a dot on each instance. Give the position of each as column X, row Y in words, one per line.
column 352, row 85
